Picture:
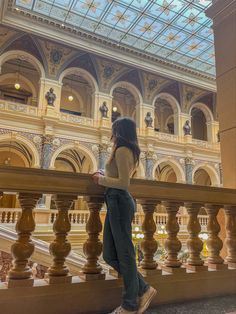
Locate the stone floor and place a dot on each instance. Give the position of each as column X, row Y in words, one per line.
column 219, row 305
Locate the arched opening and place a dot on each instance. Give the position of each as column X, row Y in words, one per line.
column 123, row 104
column 201, row 177
column 73, row 160
column 76, row 96
column 198, row 124
column 165, row 172
column 13, row 154
column 164, row 121
column 19, row 80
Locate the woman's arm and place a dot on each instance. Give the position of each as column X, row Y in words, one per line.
column 123, row 163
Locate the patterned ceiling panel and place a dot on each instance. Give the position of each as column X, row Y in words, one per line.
column 174, row 30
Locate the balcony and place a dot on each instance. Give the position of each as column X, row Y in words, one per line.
column 59, row 292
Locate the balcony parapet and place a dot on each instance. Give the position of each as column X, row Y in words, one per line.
column 9, row 106
column 75, row 119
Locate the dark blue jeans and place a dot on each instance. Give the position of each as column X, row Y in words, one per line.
column 118, row 249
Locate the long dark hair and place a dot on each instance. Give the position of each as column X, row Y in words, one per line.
column 124, row 134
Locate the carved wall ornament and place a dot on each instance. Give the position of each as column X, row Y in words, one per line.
column 51, row 97
column 95, row 148
column 108, row 71
column 56, row 56
column 104, row 110
column 37, row 139
column 152, row 84
column 148, row 120
column 189, row 160
column 56, row 142
column 48, row 139
column 187, row 128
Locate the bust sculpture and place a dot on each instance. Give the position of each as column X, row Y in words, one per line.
column 104, row 110
column 51, row 97
column 187, row 128
column 148, row 120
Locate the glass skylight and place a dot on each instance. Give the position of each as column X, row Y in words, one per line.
column 174, row 30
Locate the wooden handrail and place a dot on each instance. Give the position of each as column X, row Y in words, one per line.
column 15, row 179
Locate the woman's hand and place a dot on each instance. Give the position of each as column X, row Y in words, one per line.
column 96, row 177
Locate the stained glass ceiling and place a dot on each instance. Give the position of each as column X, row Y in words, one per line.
column 177, row 31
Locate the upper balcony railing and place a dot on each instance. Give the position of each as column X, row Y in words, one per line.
column 78, row 120
column 66, row 187
column 9, row 106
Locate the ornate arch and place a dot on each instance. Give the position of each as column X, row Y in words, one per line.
column 76, row 146
column 81, row 72
column 8, row 76
column 215, row 179
column 22, row 55
column 131, row 88
column 206, row 111
column 28, row 144
column 170, row 99
column 16, row 152
column 179, row 172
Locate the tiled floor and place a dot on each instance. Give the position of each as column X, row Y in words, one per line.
column 219, row 305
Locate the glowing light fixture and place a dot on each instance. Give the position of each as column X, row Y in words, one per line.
column 70, row 98
column 17, row 86
column 114, row 109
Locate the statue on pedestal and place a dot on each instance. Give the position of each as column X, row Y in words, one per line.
column 104, row 110
column 148, row 120
column 187, row 128
column 51, row 97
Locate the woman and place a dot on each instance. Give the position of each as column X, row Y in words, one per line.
column 118, row 249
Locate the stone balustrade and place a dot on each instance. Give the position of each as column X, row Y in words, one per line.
column 9, row 106
column 76, row 120
column 80, row 217
column 66, row 187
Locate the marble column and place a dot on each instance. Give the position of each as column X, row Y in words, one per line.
column 102, row 156
column 45, row 162
column 149, row 165
column 46, row 151
column 189, row 170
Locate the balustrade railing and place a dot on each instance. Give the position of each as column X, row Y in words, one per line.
column 66, row 187
column 80, row 217
column 18, row 108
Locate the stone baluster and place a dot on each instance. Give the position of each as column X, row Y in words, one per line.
column 194, row 244
column 60, row 247
column 20, row 273
column 214, row 243
column 172, row 243
column 93, row 246
column 230, row 240
column 149, row 244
